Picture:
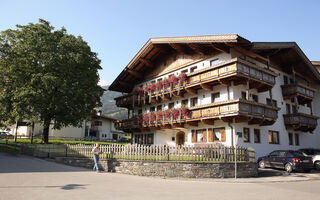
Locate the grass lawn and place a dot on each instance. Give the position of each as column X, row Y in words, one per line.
column 38, row 141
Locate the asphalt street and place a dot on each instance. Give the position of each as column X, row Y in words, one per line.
column 29, row 178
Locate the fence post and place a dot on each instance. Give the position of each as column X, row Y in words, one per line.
column 67, row 150
column 224, row 154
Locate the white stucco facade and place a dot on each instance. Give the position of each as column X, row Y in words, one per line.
column 306, row 139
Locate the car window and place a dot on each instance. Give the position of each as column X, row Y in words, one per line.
column 282, row 154
column 274, row 154
column 298, row 153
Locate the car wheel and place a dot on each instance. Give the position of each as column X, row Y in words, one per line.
column 288, row 167
column 317, row 165
column 262, row 164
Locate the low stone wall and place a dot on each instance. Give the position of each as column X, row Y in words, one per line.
column 168, row 169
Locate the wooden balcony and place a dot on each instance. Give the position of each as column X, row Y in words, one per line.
column 238, row 110
column 236, row 70
column 300, row 122
column 303, row 93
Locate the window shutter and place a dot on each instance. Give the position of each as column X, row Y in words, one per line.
column 193, row 136
column 223, row 135
column 205, row 136
column 210, row 135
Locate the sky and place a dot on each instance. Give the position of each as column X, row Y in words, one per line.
column 117, row 29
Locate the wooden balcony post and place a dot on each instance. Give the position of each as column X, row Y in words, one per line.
column 228, row 91
column 311, row 112
column 247, row 90
column 270, row 95
column 293, row 74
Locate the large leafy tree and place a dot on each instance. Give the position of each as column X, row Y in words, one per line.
column 47, row 75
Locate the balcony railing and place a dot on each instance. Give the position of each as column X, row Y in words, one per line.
column 300, row 121
column 302, row 92
column 236, row 70
column 241, row 110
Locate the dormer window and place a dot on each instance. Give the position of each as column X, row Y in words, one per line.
column 192, row 69
column 214, row 62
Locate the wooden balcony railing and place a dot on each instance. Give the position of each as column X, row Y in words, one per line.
column 300, row 121
column 241, row 110
column 237, row 70
column 302, row 92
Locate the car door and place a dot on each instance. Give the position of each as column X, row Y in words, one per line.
column 272, row 158
column 280, row 160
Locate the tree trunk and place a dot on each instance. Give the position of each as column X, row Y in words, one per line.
column 16, row 132
column 32, row 133
column 45, row 137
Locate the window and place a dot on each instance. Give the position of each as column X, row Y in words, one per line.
column 194, row 101
column 285, row 80
column 199, row 136
column 184, row 71
column 288, row 108
column 97, row 123
column 152, row 109
column 290, row 135
column 184, row 102
column 246, row 135
column 291, row 81
column 274, row 154
column 215, row 97
column 159, row 107
column 139, row 111
column 309, row 104
column 192, row 69
column 271, row 103
column 296, row 139
column 273, row 137
column 171, row 105
column 255, row 98
column 243, row 95
column 257, row 136
column 214, row 62
column 294, row 109
column 150, row 139
column 143, row 139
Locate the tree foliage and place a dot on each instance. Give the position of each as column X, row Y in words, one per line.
column 47, row 75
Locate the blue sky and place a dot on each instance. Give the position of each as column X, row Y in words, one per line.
column 117, row 29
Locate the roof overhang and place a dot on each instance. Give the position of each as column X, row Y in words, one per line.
column 133, row 70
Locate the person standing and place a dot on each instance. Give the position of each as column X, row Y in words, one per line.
column 96, row 151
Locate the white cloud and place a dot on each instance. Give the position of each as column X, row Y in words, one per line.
column 103, row 83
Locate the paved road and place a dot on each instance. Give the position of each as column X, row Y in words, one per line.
column 32, row 179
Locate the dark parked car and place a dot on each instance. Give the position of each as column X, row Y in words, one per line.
column 315, row 154
column 286, row 159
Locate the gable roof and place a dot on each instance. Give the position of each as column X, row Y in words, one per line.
column 157, row 47
column 281, row 53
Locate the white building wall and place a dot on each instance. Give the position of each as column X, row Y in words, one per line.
column 204, row 97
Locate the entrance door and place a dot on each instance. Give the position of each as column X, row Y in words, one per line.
column 180, row 137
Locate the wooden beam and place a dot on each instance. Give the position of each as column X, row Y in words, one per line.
column 181, row 95
column 197, row 48
column 146, row 62
column 221, row 48
column 248, row 53
column 206, row 86
column 125, row 84
column 182, row 49
column 166, row 126
column 177, row 125
column 166, row 97
column 191, row 91
column 224, row 82
column 154, row 100
column 192, row 123
column 135, row 73
column 154, row 128
column 208, row 121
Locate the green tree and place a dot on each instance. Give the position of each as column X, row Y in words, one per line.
column 47, row 75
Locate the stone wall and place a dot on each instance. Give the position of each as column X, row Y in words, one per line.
column 168, row 169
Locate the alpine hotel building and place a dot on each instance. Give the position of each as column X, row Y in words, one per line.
column 210, row 89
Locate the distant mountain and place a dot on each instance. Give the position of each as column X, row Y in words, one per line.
column 109, row 107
